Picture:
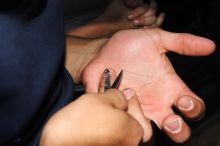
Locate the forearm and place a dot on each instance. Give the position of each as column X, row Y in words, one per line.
column 97, row 28
column 79, row 52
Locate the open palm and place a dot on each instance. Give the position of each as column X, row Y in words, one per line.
column 142, row 55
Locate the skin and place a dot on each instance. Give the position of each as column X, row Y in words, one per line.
column 147, row 70
column 158, row 86
column 83, row 124
column 120, row 15
column 81, row 52
column 91, row 57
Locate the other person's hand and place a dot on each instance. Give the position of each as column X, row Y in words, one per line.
column 98, row 119
column 120, row 15
column 144, row 15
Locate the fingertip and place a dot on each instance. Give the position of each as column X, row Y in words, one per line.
column 136, row 22
column 130, row 17
column 176, row 128
column 185, row 103
column 172, row 125
column 187, row 44
column 129, row 93
column 212, row 46
column 192, row 108
column 160, row 19
column 145, row 21
column 206, row 45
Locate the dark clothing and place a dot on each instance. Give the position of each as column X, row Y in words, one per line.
column 201, row 74
column 33, row 82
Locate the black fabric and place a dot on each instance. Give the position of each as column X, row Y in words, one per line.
column 33, row 82
column 8, row 5
column 201, row 74
column 24, row 8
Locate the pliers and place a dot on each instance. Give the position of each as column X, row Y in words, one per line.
column 116, row 83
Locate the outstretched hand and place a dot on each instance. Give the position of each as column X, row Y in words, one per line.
column 142, row 55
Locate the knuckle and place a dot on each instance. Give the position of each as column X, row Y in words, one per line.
column 119, row 98
column 115, row 93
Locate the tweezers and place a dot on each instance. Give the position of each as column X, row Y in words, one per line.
column 116, row 83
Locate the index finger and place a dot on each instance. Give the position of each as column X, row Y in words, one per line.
column 115, row 98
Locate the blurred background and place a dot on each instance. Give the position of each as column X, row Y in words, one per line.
column 201, row 74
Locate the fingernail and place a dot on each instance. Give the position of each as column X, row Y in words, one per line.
column 128, row 93
column 185, row 103
column 173, row 126
column 130, row 16
column 136, row 22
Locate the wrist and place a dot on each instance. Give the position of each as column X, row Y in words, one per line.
column 79, row 52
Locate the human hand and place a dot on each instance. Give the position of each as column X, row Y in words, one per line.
column 120, row 15
column 144, row 15
column 127, row 14
column 99, row 120
column 142, row 55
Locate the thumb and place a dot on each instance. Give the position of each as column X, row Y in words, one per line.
column 187, row 44
column 135, row 111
